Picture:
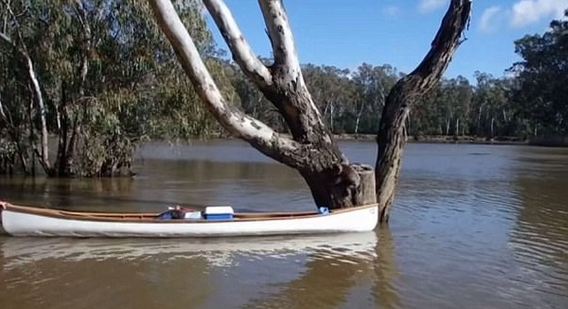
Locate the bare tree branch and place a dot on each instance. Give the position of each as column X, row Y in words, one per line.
column 280, row 33
column 248, row 128
column 445, row 43
column 241, row 50
column 283, row 83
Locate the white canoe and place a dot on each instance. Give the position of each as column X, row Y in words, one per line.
column 35, row 221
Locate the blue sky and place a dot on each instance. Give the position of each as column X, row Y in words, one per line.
column 399, row 32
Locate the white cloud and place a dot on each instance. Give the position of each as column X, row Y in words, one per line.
column 487, row 18
column 525, row 12
column 392, row 10
column 430, row 5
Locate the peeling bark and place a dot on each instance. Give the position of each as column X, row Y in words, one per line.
column 392, row 133
column 238, row 123
column 241, row 50
column 333, row 181
column 312, row 150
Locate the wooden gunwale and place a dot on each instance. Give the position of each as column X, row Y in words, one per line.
column 152, row 217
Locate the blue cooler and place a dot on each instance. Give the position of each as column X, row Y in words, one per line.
column 218, row 213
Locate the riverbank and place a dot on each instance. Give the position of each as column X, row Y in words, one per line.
column 443, row 139
column 553, row 141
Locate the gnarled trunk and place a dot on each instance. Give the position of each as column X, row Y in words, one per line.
column 347, row 185
column 392, row 133
column 311, row 150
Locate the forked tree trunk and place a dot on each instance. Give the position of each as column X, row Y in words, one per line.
column 311, row 150
column 392, row 134
column 333, row 181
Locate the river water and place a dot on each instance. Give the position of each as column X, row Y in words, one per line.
column 473, row 226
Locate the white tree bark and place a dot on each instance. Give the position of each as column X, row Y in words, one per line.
column 241, row 50
column 283, row 45
column 2, row 113
column 457, row 126
column 84, row 66
column 280, row 34
column 312, row 151
column 248, row 128
column 38, row 96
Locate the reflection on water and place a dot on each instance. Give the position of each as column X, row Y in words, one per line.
column 259, row 265
column 473, row 226
column 18, row 252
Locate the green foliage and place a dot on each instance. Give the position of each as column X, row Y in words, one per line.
column 540, row 90
column 372, row 87
column 333, row 92
column 133, row 89
column 109, row 81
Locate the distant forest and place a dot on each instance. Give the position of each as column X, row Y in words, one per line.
column 85, row 82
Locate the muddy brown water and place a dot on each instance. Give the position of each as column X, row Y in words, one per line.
column 473, row 226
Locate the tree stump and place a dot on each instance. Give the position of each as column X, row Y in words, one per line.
column 365, row 194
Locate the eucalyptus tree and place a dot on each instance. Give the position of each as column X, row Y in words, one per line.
column 541, row 78
column 311, row 149
column 100, row 77
column 17, row 114
column 455, row 104
column 464, row 97
column 332, row 91
column 491, row 112
column 427, row 116
column 373, row 84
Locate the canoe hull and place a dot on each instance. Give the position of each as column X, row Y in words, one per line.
column 21, row 223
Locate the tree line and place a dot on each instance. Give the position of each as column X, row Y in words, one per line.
column 83, row 83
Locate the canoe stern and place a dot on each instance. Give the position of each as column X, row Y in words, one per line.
column 2, row 230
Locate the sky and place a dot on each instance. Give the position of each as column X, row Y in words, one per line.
column 346, row 33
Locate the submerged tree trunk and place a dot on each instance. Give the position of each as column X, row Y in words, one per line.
column 311, row 150
column 392, row 134
column 333, row 180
